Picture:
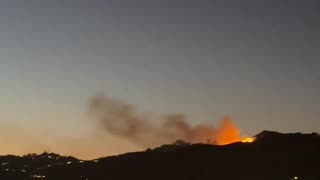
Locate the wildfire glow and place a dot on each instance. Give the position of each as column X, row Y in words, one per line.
column 229, row 133
column 248, row 140
column 243, row 140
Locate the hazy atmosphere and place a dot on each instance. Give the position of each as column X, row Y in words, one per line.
column 256, row 62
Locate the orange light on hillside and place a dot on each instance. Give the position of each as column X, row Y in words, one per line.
column 248, row 140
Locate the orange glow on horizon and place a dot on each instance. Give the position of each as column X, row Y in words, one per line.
column 229, row 133
column 248, row 140
column 243, row 140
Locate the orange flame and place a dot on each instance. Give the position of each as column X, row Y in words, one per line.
column 227, row 141
column 248, row 140
column 229, row 133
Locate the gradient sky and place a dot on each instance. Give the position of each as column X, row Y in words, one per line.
column 256, row 61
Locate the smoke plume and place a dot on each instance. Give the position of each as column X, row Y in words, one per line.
column 123, row 120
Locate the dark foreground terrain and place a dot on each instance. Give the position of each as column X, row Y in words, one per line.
column 273, row 156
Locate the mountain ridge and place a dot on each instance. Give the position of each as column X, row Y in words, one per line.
column 272, row 155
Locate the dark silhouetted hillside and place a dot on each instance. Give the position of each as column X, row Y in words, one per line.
column 273, row 156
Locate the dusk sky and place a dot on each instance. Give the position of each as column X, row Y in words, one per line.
column 258, row 62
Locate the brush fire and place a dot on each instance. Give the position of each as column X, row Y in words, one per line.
column 125, row 121
column 248, row 140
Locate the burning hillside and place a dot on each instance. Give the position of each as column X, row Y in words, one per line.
column 123, row 120
column 271, row 156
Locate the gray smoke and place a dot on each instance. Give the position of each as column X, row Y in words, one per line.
column 122, row 119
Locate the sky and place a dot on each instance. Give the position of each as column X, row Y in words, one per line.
column 255, row 61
